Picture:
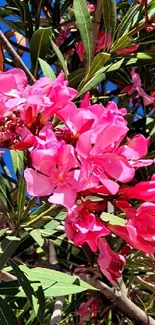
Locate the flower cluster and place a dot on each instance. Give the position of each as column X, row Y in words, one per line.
column 86, row 153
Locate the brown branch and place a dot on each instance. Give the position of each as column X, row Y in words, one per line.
column 96, row 22
column 7, row 277
column 15, row 57
column 121, row 302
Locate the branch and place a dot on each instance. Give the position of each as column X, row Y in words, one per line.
column 58, row 306
column 15, row 57
column 96, row 22
column 121, row 302
column 7, row 277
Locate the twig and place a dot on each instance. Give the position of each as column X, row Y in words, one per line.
column 96, row 22
column 58, row 306
column 121, row 302
column 15, row 57
column 7, row 277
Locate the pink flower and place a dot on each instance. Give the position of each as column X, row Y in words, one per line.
column 81, row 227
column 87, row 310
column 80, row 50
column 109, row 262
column 128, row 50
column 56, row 173
column 142, row 191
column 39, row 102
column 135, row 149
column 12, row 79
column 139, row 231
column 137, row 85
column 102, row 42
column 99, row 44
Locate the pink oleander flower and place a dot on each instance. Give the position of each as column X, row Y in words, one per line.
column 56, row 172
column 87, row 310
column 99, row 45
column 12, row 79
column 81, row 226
column 144, row 191
column 110, row 263
column 64, row 33
column 137, row 86
column 139, row 230
column 128, row 50
column 96, row 135
column 39, row 102
column 135, row 149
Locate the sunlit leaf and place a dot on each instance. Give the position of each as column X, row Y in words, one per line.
column 112, row 219
column 47, row 70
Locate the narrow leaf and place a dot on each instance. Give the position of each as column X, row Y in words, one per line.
column 35, row 233
column 47, row 70
column 99, row 61
column 112, row 219
column 109, row 16
column 7, row 316
column 39, row 44
column 21, row 197
column 8, row 245
column 27, row 288
column 126, row 22
column 93, row 82
column 60, row 57
column 85, row 26
column 17, row 157
column 75, row 77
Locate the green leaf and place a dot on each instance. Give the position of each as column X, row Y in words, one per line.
column 39, row 44
column 8, row 245
column 56, row 283
column 35, row 233
column 109, row 16
column 47, row 70
column 17, row 157
column 28, row 289
column 93, row 82
column 84, row 23
column 75, row 77
column 99, row 61
column 21, row 197
column 3, row 191
column 126, row 22
column 112, row 219
column 123, row 42
column 60, row 57
column 7, row 316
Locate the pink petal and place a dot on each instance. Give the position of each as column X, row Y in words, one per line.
column 63, row 195
column 37, row 184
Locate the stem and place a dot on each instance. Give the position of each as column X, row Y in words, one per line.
column 15, row 57
column 7, row 277
column 58, row 306
column 121, row 302
column 56, row 316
